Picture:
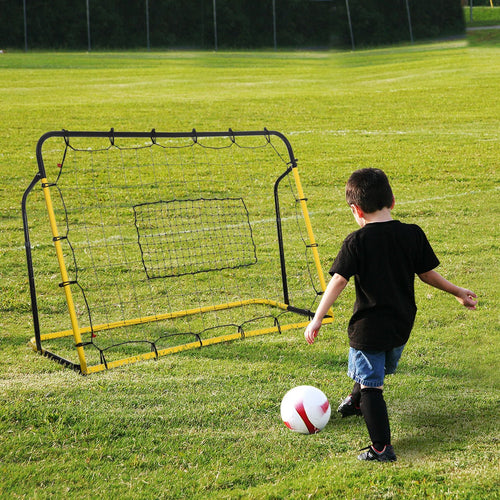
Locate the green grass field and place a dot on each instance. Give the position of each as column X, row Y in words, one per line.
column 482, row 16
column 205, row 423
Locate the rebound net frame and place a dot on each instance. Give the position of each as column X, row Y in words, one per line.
column 148, row 207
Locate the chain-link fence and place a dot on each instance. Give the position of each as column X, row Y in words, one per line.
column 214, row 24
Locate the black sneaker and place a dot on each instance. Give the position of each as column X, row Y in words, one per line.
column 347, row 408
column 386, row 455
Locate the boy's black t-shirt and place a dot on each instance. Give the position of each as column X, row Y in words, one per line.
column 384, row 257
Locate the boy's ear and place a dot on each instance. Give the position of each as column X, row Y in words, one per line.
column 357, row 211
column 393, row 202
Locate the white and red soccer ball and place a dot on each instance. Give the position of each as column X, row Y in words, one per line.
column 305, row 409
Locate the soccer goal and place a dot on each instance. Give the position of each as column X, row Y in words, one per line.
column 143, row 244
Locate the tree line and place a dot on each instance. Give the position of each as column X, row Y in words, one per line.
column 203, row 24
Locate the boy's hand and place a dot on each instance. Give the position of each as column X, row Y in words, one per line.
column 312, row 331
column 466, row 298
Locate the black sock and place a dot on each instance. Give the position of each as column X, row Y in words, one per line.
column 356, row 394
column 374, row 412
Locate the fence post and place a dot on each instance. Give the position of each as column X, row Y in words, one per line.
column 25, row 27
column 215, row 25
column 88, row 26
column 350, row 24
column 274, row 25
column 409, row 20
column 147, row 24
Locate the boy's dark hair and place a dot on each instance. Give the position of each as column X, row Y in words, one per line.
column 369, row 189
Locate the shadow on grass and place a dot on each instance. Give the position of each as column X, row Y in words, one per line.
column 278, row 350
column 485, row 36
column 445, row 420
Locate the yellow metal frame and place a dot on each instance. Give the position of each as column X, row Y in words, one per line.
column 76, row 331
column 64, row 275
column 178, row 348
column 310, row 234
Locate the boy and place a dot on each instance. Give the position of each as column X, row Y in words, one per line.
column 383, row 256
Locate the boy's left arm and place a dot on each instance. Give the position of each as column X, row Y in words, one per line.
column 464, row 296
column 333, row 290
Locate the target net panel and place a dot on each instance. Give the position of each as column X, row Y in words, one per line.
column 145, row 244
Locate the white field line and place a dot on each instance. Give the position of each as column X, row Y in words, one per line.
column 445, row 197
column 400, row 202
column 343, row 132
column 330, row 210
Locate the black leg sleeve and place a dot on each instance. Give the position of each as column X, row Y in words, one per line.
column 374, row 412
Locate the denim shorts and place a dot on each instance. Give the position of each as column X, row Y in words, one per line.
column 370, row 367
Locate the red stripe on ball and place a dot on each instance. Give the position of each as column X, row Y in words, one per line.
column 325, row 406
column 303, row 415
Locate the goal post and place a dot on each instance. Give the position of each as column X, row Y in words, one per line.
column 143, row 244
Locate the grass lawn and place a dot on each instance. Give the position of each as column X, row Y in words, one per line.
column 205, row 423
column 482, row 16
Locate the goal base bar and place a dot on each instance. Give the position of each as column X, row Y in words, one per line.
column 170, row 350
column 175, row 315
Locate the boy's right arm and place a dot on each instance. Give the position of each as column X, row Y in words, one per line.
column 333, row 290
column 464, row 296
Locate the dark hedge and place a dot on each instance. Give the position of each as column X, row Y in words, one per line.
column 117, row 24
